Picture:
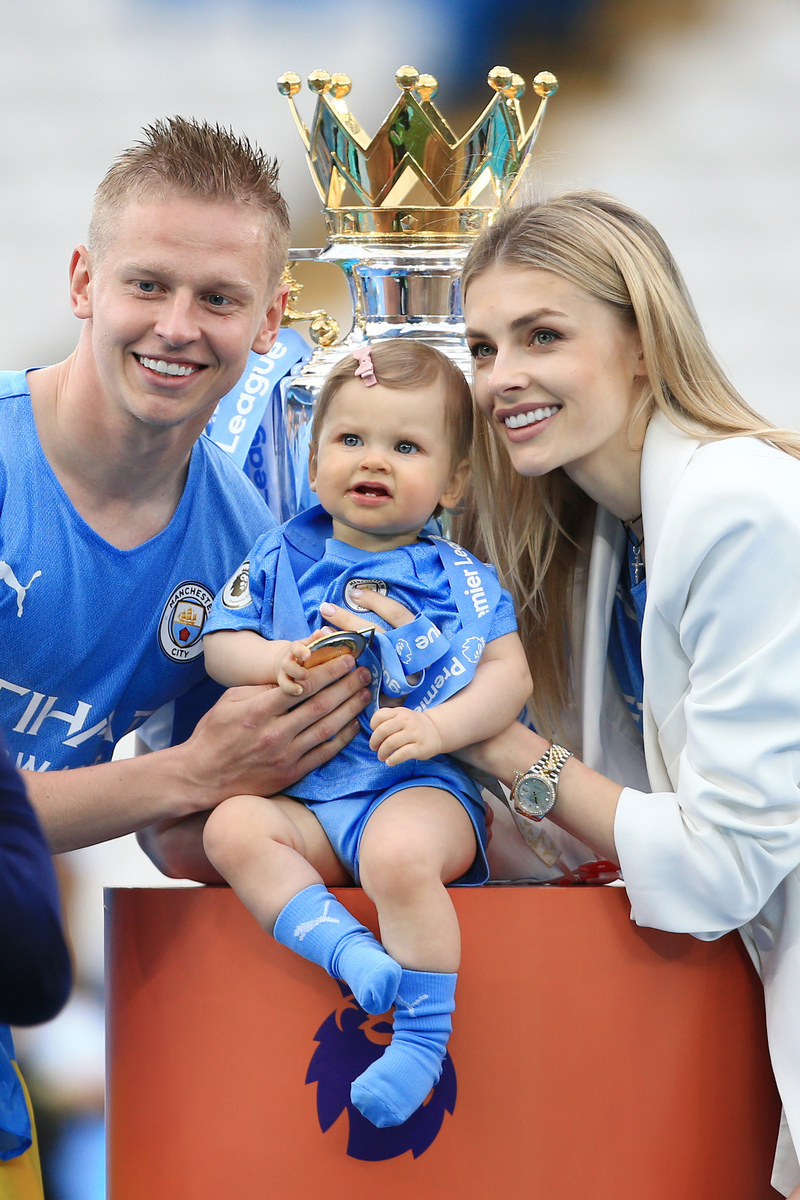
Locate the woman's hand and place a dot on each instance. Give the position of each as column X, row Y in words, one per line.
column 392, row 611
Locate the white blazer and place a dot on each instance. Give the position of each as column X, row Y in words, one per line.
column 708, row 824
column 710, row 840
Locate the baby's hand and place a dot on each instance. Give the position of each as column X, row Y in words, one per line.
column 291, row 674
column 400, row 734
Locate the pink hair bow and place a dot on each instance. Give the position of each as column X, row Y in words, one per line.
column 365, row 369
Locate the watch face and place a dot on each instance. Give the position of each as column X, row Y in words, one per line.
column 534, row 796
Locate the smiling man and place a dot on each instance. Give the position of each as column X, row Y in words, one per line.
column 119, row 520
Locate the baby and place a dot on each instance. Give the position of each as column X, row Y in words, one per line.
column 389, row 446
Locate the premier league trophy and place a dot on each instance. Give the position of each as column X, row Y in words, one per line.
column 401, row 211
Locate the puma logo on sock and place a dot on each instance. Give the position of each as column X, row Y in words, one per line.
column 307, row 926
column 410, row 1007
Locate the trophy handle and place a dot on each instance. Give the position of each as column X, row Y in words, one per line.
column 323, row 329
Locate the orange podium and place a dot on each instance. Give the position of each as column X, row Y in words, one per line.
column 588, row 1058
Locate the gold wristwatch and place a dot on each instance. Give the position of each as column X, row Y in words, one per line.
column 534, row 791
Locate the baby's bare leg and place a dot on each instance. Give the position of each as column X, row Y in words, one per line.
column 268, row 850
column 276, row 856
column 414, row 843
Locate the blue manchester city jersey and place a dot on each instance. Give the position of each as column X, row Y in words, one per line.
column 96, row 638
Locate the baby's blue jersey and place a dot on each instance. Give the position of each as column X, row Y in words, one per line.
column 325, row 569
column 94, row 639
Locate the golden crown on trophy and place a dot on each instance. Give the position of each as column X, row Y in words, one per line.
column 415, row 151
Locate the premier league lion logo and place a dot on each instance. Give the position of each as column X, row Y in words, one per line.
column 349, row 1040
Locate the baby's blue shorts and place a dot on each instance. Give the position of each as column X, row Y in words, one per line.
column 344, row 821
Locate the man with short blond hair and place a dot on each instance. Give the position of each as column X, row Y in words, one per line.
column 180, row 281
column 119, row 519
column 138, row 519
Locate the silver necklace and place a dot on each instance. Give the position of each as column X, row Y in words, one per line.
column 635, row 534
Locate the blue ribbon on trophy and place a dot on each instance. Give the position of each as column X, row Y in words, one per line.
column 249, row 422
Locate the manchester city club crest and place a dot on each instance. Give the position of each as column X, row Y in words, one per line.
column 182, row 621
column 368, row 585
column 348, row 1041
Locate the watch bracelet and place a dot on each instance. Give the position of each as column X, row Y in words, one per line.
column 553, row 759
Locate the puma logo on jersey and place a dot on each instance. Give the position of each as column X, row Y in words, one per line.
column 8, row 576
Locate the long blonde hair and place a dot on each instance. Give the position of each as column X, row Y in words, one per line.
column 534, row 529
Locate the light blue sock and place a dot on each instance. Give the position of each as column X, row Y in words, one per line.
column 315, row 925
column 394, row 1086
